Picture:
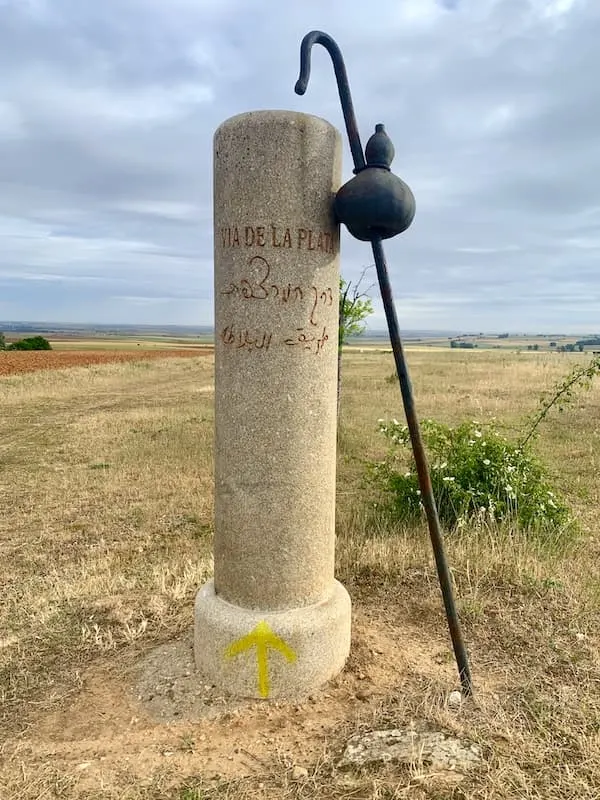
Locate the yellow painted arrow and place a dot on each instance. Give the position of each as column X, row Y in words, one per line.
column 263, row 638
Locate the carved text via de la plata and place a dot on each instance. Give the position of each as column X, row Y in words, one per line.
column 278, row 237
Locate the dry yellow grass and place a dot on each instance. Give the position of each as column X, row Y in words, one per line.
column 128, row 343
column 99, row 536
column 105, row 535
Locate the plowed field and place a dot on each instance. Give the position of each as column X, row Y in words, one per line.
column 12, row 363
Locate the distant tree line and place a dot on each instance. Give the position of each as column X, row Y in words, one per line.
column 29, row 343
column 570, row 348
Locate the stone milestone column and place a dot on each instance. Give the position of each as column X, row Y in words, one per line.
column 274, row 622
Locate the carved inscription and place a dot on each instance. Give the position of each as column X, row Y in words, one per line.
column 257, row 283
column 257, row 286
column 245, row 339
column 308, row 341
column 272, row 236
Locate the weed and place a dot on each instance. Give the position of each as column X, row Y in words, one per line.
column 187, row 743
column 477, row 476
column 580, row 378
column 191, row 793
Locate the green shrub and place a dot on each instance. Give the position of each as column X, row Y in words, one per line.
column 477, row 475
column 31, row 343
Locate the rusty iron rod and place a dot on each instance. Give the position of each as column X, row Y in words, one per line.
column 444, row 576
column 428, row 499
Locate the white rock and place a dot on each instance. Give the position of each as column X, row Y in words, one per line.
column 435, row 749
column 299, row 774
column 454, row 699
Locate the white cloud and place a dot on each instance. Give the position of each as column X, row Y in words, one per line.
column 551, row 9
column 183, row 212
column 108, row 112
column 91, row 102
column 11, row 123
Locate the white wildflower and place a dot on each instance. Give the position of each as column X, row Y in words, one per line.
column 487, row 462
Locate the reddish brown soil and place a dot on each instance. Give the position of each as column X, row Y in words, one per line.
column 14, row 362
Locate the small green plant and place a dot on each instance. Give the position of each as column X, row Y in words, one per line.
column 477, row 475
column 354, row 306
column 191, row 793
column 187, row 743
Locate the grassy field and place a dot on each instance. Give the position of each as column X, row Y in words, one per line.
column 511, row 343
column 105, row 536
column 94, row 340
column 127, row 343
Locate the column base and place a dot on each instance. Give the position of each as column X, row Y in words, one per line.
column 269, row 655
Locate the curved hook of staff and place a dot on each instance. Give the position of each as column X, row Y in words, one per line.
column 341, row 76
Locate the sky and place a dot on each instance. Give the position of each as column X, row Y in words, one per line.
column 107, row 113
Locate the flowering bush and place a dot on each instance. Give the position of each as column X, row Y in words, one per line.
column 476, row 474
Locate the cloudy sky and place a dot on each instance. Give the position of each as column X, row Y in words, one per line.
column 107, row 112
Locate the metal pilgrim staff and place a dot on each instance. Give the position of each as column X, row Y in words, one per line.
column 376, row 205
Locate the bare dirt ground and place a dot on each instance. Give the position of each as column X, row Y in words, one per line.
column 156, row 707
column 17, row 362
column 150, row 715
